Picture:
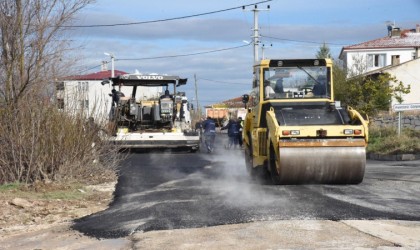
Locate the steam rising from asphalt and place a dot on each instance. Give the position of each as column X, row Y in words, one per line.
column 225, row 175
column 233, row 184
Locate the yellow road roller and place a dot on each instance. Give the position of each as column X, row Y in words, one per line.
column 295, row 132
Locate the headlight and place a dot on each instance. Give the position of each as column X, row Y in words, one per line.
column 348, row 131
column 352, row 132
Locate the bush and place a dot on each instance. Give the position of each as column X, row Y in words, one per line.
column 386, row 141
column 38, row 142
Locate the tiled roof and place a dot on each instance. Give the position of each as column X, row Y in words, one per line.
column 96, row 76
column 407, row 39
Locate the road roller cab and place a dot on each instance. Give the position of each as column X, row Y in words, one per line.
column 295, row 132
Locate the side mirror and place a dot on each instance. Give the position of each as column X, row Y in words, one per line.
column 105, row 82
column 245, row 98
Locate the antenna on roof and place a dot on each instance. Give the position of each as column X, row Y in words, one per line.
column 390, row 26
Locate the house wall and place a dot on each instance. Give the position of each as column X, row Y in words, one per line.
column 408, row 74
column 355, row 60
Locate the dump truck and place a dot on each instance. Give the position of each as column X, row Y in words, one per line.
column 295, row 132
column 157, row 122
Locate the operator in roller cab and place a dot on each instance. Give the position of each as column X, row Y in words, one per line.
column 295, row 132
column 296, row 82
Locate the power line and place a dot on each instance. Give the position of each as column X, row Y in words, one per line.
column 182, row 55
column 163, row 20
column 169, row 56
column 94, row 67
column 301, row 41
column 223, row 81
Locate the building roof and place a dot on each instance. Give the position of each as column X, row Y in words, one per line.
column 406, row 39
column 96, row 76
column 401, row 39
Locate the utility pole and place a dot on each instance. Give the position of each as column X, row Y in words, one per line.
column 196, row 98
column 112, row 63
column 256, row 35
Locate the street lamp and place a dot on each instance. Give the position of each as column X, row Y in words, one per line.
column 112, row 62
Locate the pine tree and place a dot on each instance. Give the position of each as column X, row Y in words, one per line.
column 323, row 52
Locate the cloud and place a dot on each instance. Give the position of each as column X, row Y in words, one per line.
column 191, row 29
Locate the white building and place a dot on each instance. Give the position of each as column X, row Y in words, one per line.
column 397, row 47
column 86, row 93
column 398, row 54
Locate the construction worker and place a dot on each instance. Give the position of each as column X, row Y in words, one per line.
column 233, row 132
column 209, row 127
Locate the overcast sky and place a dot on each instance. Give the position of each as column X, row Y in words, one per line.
column 290, row 29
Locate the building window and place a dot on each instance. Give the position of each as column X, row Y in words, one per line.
column 376, row 60
column 83, row 86
column 59, row 86
column 84, row 104
column 60, row 103
column 395, row 59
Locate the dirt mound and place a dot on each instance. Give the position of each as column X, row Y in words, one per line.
column 48, row 204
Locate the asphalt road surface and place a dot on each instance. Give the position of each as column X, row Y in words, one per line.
column 172, row 190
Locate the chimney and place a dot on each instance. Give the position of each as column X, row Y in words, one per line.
column 417, row 28
column 395, row 32
column 389, row 28
column 104, row 66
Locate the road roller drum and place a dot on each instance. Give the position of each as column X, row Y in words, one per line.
column 330, row 165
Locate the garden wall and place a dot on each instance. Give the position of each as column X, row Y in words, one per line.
column 407, row 121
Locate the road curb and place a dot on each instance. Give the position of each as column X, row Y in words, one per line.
column 393, row 157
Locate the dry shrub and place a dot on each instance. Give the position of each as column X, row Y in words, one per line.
column 385, row 140
column 38, row 142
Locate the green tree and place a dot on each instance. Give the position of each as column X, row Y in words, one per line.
column 323, row 52
column 399, row 89
column 368, row 94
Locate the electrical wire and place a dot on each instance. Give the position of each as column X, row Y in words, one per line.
column 182, row 55
column 94, row 67
column 170, row 56
column 163, row 20
column 217, row 81
column 301, row 41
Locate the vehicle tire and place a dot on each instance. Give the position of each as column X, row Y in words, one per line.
column 272, row 159
column 260, row 173
column 194, row 149
column 248, row 159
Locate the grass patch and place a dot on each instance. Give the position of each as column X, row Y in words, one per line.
column 43, row 191
column 386, row 141
column 73, row 194
column 10, row 186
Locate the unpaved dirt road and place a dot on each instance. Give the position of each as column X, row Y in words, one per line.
column 285, row 234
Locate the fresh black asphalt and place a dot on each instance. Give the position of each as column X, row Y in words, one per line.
column 169, row 190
